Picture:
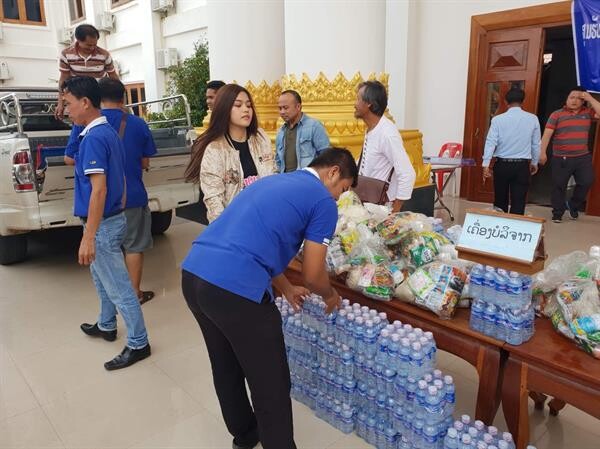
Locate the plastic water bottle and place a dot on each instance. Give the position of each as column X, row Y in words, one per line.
column 476, row 281
column 370, row 339
column 514, row 317
column 393, row 351
column 489, row 285
column 451, row 440
column 347, row 419
column 489, row 319
column 390, row 438
column 340, row 325
column 466, row 442
column 359, row 331
column 477, row 312
column 382, row 346
column 416, row 360
column 349, row 340
column 508, row 438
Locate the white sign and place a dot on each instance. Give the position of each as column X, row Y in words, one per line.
column 501, row 236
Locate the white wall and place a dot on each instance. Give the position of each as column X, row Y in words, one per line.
column 31, row 52
column 246, row 40
column 334, row 36
column 436, row 100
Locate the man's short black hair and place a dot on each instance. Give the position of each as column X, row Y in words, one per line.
column 215, row 84
column 294, row 94
column 342, row 158
column 82, row 32
column 111, row 90
column 375, row 94
column 515, row 95
column 83, row 87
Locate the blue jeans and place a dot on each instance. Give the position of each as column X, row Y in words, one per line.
column 113, row 285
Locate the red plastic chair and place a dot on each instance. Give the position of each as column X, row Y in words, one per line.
column 449, row 149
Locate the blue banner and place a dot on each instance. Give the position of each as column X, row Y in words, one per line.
column 586, row 36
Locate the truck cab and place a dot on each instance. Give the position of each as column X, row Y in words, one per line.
column 36, row 186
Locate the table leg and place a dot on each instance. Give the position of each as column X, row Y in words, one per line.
column 440, row 194
column 515, row 398
column 489, row 393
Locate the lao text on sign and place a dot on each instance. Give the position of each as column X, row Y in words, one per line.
column 510, row 237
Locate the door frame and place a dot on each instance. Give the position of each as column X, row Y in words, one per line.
column 544, row 16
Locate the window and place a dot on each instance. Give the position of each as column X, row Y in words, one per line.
column 136, row 93
column 115, row 3
column 27, row 12
column 76, row 10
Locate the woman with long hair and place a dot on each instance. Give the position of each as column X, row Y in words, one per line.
column 232, row 153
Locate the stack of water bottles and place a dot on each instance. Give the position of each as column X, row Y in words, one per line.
column 465, row 434
column 361, row 373
column 502, row 306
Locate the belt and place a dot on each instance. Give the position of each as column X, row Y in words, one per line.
column 501, row 159
column 112, row 214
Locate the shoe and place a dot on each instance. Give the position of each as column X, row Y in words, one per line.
column 146, row 296
column 556, row 219
column 128, row 357
column 572, row 211
column 94, row 331
column 236, row 446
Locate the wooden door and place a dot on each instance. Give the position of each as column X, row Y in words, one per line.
column 506, row 57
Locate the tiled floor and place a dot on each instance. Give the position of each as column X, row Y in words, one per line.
column 54, row 392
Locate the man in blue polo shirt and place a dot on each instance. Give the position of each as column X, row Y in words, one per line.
column 99, row 201
column 227, row 279
column 139, row 146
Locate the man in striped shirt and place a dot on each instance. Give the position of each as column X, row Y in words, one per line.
column 84, row 58
column 569, row 129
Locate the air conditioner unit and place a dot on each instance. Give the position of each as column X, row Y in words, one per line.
column 4, row 73
column 65, row 36
column 162, row 5
column 166, row 57
column 105, row 21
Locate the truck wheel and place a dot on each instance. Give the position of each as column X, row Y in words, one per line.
column 161, row 221
column 13, row 248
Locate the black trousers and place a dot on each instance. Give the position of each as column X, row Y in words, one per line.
column 511, row 182
column 245, row 342
column 562, row 169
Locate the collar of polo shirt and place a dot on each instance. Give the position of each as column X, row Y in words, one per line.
column 97, row 121
column 313, row 171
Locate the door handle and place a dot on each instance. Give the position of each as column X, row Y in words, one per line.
column 476, row 133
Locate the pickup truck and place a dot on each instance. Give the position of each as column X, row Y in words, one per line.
column 36, row 187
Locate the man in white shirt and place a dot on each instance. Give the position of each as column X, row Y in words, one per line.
column 383, row 156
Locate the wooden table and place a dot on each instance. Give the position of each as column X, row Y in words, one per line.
column 551, row 364
column 454, row 336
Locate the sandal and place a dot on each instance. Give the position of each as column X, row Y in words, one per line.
column 144, row 297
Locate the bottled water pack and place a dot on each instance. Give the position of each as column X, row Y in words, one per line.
column 467, row 434
column 361, row 373
column 501, row 306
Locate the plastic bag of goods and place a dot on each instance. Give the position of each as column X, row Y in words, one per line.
column 421, row 248
column 579, row 308
column 348, row 198
column 548, row 280
column 438, row 287
column 337, row 260
column 393, row 228
column 369, row 248
column 376, row 282
column 575, row 264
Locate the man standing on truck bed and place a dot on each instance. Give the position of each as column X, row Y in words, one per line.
column 99, row 198
column 83, row 58
column 139, row 146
